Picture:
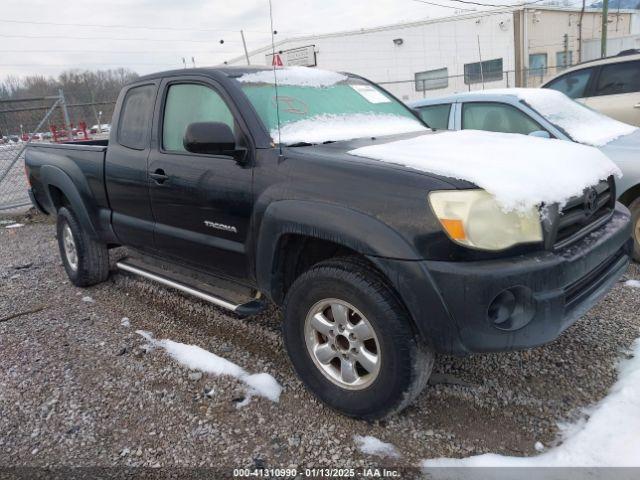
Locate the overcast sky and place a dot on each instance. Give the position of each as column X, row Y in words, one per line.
column 46, row 37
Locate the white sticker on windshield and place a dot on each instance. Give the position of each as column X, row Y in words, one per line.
column 370, row 94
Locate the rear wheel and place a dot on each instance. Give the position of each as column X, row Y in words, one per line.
column 85, row 260
column 635, row 222
column 351, row 341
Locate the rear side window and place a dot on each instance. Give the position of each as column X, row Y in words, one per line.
column 618, row 78
column 436, row 116
column 497, row 117
column 189, row 103
column 574, row 84
column 135, row 118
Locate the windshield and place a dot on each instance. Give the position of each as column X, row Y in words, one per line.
column 317, row 106
column 582, row 124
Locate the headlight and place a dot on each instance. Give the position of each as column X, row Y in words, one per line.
column 473, row 218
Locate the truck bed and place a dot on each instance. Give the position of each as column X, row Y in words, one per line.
column 82, row 162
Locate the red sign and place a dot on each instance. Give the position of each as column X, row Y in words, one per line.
column 277, row 61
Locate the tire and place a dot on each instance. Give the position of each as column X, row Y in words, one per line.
column 403, row 363
column 90, row 263
column 635, row 224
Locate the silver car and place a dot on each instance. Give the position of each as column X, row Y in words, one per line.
column 550, row 114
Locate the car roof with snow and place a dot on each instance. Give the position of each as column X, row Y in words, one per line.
column 498, row 94
column 229, row 71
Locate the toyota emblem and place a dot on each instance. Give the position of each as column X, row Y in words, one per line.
column 590, row 202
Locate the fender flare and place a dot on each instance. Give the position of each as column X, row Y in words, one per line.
column 382, row 245
column 54, row 176
column 355, row 230
column 368, row 236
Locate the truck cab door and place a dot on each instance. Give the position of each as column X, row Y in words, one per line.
column 126, row 166
column 201, row 203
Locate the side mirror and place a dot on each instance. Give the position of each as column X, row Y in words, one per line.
column 209, row 137
column 540, row 133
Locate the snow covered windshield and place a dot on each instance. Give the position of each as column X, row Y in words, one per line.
column 317, row 106
column 581, row 123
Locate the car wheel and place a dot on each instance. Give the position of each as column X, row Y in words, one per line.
column 635, row 223
column 351, row 340
column 85, row 260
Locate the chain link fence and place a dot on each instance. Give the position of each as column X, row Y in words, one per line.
column 42, row 119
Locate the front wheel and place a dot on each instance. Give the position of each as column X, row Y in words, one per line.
column 351, row 341
column 85, row 260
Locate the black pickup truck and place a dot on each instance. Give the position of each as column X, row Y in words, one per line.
column 213, row 199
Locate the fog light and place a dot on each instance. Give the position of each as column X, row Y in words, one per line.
column 512, row 308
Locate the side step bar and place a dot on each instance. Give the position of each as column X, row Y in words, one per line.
column 252, row 307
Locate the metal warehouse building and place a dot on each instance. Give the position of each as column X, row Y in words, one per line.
column 499, row 48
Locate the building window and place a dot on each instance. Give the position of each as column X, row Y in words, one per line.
column 537, row 65
column 564, row 59
column 432, row 79
column 479, row 72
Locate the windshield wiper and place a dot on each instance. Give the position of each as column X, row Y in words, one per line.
column 300, row 144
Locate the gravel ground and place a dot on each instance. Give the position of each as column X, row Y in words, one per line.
column 78, row 388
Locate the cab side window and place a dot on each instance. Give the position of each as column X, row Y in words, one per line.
column 189, row 103
column 436, row 116
column 574, row 84
column 497, row 117
column 135, row 119
column 618, row 78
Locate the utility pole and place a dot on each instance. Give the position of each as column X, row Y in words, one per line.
column 480, row 58
column 565, row 42
column 584, row 2
column 244, row 44
column 605, row 21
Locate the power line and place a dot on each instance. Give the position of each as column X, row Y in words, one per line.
column 66, row 37
column 447, row 6
column 146, row 27
column 470, row 2
column 118, row 52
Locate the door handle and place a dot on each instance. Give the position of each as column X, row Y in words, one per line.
column 159, row 176
column 637, row 105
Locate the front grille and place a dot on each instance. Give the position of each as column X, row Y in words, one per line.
column 586, row 285
column 581, row 213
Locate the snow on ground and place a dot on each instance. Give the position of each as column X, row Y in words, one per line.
column 323, row 128
column 632, row 283
column 125, row 322
column 373, row 446
column 520, row 171
column 15, row 225
column 196, row 358
column 88, row 299
column 296, row 76
column 581, row 123
column 609, row 437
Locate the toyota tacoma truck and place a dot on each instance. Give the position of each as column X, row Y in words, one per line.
column 238, row 187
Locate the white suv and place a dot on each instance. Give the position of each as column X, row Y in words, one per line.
column 610, row 85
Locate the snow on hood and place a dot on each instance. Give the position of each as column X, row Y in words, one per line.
column 608, row 438
column 520, row 171
column 582, row 124
column 323, row 128
column 296, row 76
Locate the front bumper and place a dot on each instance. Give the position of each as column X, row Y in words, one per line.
column 562, row 285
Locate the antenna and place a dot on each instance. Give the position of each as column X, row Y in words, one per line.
column 275, row 77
